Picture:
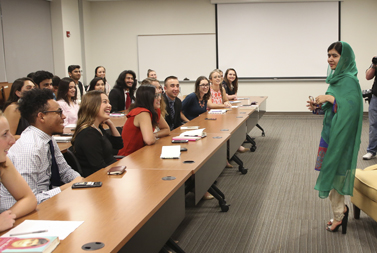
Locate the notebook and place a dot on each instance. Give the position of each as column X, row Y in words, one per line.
column 171, row 152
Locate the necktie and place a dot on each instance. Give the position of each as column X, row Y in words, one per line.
column 171, row 104
column 55, row 176
column 128, row 101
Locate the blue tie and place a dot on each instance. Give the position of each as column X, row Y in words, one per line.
column 172, row 110
column 55, row 176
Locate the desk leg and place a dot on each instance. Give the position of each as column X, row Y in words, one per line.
column 220, row 197
column 263, row 134
column 240, row 164
column 174, row 246
column 253, row 143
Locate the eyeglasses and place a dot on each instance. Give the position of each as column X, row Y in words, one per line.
column 58, row 111
column 204, row 85
column 157, row 95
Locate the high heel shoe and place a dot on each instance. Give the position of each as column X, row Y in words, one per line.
column 332, row 220
column 343, row 224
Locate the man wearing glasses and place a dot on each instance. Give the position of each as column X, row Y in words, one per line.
column 36, row 154
column 74, row 72
column 174, row 116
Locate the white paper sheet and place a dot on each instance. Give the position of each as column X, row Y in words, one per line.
column 54, row 228
column 171, row 152
column 194, row 133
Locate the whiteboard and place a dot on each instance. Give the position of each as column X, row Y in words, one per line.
column 272, row 40
column 181, row 55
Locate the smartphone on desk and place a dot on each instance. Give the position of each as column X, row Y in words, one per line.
column 179, row 141
column 86, row 185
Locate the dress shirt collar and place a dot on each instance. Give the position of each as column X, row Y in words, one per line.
column 169, row 99
column 44, row 137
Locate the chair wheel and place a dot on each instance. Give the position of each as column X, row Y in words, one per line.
column 224, row 208
column 263, row 135
column 253, row 148
column 242, row 170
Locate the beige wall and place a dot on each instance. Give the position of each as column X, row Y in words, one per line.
column 111, row 29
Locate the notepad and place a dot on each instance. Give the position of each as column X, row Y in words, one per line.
column 234, row 102
column 189, row 127
column 171, row 152
column 217, row 111
column 62, row 138
column 117, row 114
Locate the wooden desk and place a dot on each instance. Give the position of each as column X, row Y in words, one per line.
column 208, row 154
column 137, row 211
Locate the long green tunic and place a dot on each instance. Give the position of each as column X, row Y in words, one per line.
column 342, row 129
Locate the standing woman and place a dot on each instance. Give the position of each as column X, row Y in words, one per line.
column 97, row 83
column 12, row 181
column 142, row 119
column 66, row 98
column 17, row 124
column 100, row 71
column 197, row 102
column 230, row 84
column 92, row 145
column 218, row 94
column 340, row 138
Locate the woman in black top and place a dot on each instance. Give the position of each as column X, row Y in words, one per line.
column 230, row 84
column 93, row 146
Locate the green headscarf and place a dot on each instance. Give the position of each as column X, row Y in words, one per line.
column 341, row 130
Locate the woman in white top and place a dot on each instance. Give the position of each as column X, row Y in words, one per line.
column 218, row 94
column 12, row 181
column 67, row 100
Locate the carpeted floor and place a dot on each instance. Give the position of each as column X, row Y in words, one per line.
column 274, row 207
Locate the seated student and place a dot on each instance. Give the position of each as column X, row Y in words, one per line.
column 74, row 72
column 156, row 83
column 218, row 94
column 17, row 123
column 151, row 74
column 36, row 154
column 43, row 80
column 174, row 108
column 92, row 145
column 141, row 121
column 122, row 95
column 219, row 97
column 100, row 71
column 55, row 84
column 67, row 100
column 197, row 102
column 97, row 84
column 230, row 84
column 11, row 180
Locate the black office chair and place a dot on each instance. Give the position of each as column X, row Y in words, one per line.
column 72, row 161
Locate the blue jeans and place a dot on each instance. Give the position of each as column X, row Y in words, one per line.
column 372, row 147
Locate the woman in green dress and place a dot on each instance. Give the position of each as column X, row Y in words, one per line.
column 342, row 107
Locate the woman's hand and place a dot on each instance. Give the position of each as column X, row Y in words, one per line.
column 7, row 219
column 227, row 104
column 108, row 122
column 324, row 98
column 311, row 105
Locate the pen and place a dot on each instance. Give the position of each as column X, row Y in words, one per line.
column 26, row 233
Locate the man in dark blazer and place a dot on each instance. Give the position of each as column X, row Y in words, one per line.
column 174, row 116
column 123, row 93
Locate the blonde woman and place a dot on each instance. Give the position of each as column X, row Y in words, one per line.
column 12, row 181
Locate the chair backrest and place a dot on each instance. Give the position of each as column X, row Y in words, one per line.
column 72, row 161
